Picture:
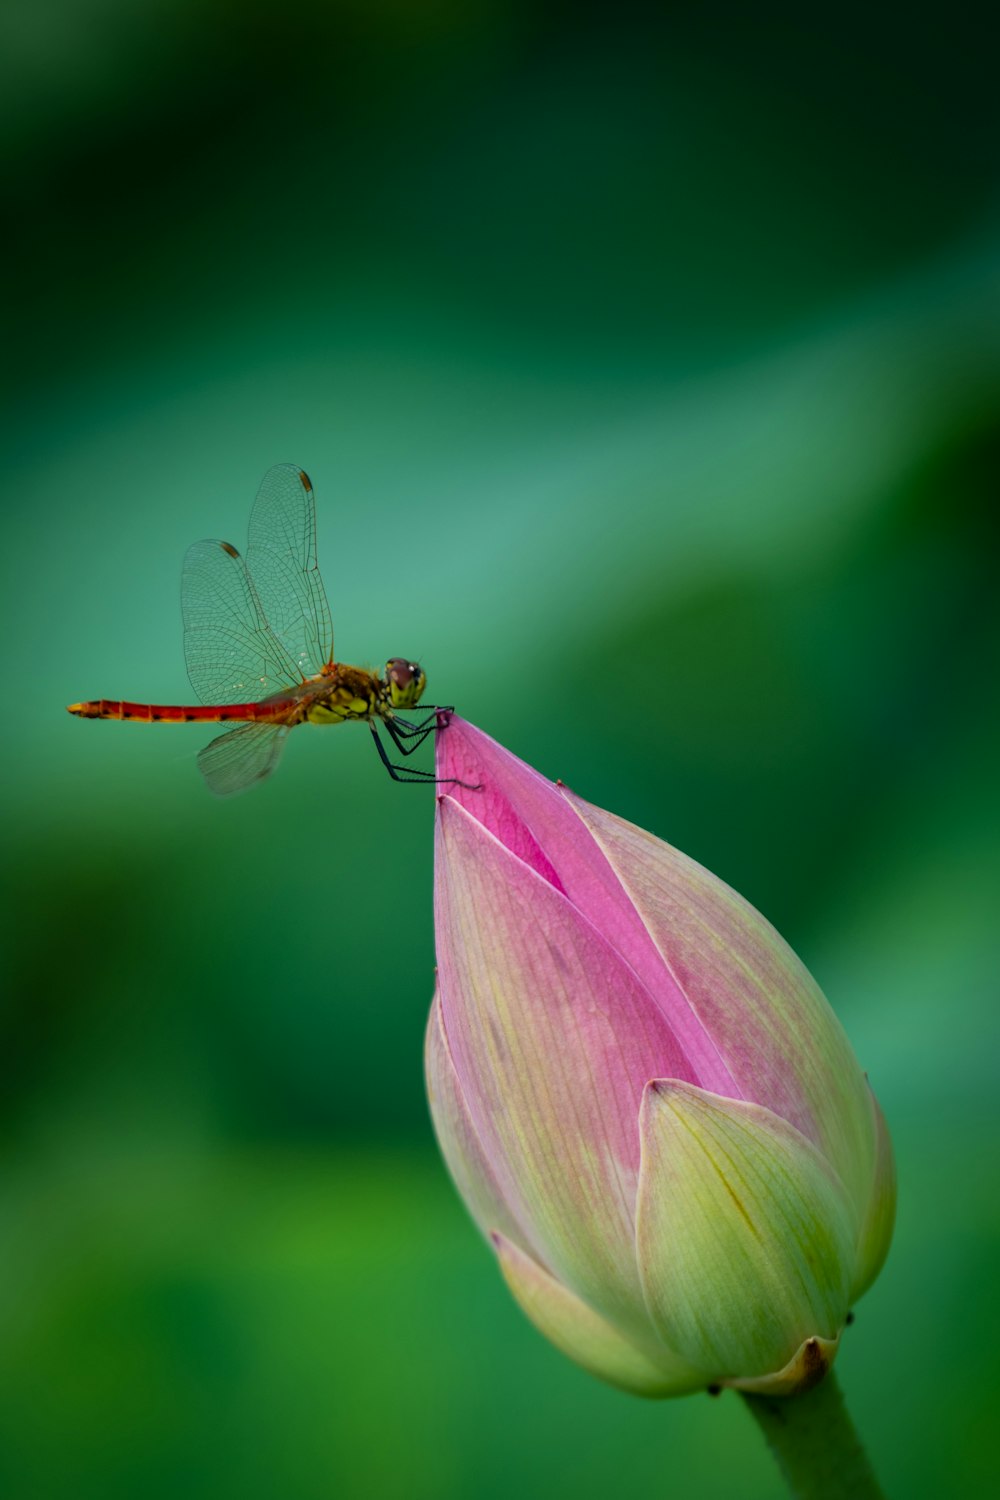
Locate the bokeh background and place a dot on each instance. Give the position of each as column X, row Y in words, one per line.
column 647, row 367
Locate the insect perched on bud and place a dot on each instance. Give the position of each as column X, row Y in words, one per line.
column 258, row 641
column 644, row 1099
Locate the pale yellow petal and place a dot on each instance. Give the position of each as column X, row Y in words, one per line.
column 876, row 1230
column 587, row 1338
column 746, row 1240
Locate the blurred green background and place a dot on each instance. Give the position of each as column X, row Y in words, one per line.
column 647, row 367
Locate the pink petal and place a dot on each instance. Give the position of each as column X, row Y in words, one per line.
column 778, row 1037
column 536, row 820
column 553, row 1038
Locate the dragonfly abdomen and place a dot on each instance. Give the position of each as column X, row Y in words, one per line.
column 159, row 713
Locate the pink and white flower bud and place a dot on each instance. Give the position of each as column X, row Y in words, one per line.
column 643, row 1097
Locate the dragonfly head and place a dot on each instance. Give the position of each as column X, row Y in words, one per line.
column 404, row 682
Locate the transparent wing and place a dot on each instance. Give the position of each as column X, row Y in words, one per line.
column 281, row 557
column 234, row 761
column 232, row 654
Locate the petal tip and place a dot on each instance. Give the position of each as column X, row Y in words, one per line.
column 806, row 1368
column 668, row 1091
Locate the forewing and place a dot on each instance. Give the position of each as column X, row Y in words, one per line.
column 232, row 654
column 236, row 760
column 281, row 556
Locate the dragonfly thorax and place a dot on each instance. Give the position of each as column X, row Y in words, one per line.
column 340, row 692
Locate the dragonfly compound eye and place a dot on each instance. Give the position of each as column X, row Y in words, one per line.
column 406, row 681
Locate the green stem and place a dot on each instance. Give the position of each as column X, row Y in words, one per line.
column 815, row 1444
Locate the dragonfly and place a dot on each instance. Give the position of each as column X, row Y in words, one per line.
column 258, row 643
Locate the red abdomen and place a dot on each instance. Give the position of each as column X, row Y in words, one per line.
column 158, row 713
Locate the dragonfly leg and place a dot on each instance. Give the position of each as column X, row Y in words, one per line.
column 437, row 718
column 408, row 737
column 402, row 729
column 404, row 773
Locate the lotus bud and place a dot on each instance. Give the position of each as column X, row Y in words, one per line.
column 645, row 1101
